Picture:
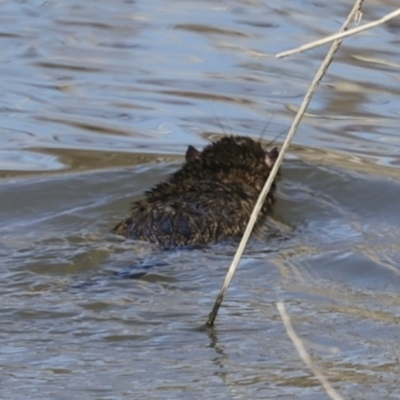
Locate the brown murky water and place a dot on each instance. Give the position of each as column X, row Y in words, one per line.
column 99, row 101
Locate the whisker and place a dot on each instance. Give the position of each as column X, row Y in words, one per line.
column 218, row 120
column 266, row 127
column 275, row 139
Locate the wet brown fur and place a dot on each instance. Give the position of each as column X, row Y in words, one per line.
column 210, row 198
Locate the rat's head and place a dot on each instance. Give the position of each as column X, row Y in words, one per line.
column 232, row 159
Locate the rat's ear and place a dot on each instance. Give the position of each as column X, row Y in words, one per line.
column 192, row 154
column 271, row 157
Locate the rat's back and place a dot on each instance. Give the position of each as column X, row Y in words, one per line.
column 209, row 199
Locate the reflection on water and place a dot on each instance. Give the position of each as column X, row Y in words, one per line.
column 99, row 101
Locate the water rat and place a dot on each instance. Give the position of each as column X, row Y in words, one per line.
column 210, row 198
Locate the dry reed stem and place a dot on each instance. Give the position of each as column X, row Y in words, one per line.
column 341, row 35
column 260, row 201
column 331, row 392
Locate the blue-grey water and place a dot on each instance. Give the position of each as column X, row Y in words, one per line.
column 99, row 100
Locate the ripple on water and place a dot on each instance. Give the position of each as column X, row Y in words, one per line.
column 98, row 100
column 28, row 161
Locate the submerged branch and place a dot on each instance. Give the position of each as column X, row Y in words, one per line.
column 331, row 392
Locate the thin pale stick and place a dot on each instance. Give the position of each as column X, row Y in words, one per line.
column 260, row 201
column 342, row 35
column 331, row 392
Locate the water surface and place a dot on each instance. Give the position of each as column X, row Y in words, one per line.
column 99, row 101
